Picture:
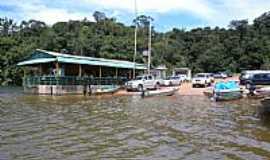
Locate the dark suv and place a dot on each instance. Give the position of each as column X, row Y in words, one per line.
column 259, row 79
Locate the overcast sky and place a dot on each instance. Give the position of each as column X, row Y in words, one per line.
column 167, row 13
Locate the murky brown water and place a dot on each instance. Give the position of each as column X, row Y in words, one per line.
column 178, row 127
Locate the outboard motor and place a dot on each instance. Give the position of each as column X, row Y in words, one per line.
column 251, row 87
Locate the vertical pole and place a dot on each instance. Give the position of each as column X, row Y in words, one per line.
column 100, row 72
column 189, row 74
column 130, row 76
column 57, row 80
column 80, row 70
column 40, row 69
column 24, row 72
column 149, row 47
column 100, row 75
column 24, row 76
column 57, row 68
column 116, row 72
column 135, row 41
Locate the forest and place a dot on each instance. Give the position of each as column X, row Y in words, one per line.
column 240, row 46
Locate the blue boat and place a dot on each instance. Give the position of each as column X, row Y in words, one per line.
column 224, row 91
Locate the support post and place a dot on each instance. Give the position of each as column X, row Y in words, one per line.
column 135, row 41
column 57, row 68
column 57, row 80
column 100, row 72
column 24, row 76
column 80, row 70
column 149, row 47
column 24, row 72
column 40, row 70
column 116, row 72
column 130, row 77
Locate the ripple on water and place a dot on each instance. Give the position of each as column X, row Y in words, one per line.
column 178, row 127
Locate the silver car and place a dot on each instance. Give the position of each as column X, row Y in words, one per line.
column 173, row 81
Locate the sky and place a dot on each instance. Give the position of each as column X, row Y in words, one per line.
column 167, row 14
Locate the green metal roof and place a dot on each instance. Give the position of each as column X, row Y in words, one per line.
column 37, row 61
column 43, row 56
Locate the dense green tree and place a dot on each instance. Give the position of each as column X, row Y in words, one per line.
column 240, row 46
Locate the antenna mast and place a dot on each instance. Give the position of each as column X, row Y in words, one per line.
column 149, row 45
column 135, row 40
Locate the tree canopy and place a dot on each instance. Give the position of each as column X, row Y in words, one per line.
column 238, row 47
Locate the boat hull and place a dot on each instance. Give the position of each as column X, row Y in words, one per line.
column 165, row 92
column 227, row 95
column 104, row 90
column 265, row 91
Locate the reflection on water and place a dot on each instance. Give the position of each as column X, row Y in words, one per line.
column 178, row 127
column 263, row 112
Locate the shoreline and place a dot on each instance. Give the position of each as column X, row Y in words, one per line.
column 185, row 89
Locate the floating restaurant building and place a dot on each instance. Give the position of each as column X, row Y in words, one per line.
column 55, row 73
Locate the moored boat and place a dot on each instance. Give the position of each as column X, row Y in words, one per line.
column 264, row 91
column 224, row 91
column 168, row 91
column 258, row 92
column 110, row 89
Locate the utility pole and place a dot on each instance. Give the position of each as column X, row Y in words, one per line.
column 149, row 45
column 135, row 41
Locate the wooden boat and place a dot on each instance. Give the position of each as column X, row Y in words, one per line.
column 161, row 92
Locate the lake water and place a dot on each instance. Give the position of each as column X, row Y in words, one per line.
column 177, row 127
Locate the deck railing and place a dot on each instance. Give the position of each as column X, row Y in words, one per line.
column 72, row 80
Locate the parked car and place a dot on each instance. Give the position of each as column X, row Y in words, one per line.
column 201, row 79
column 211, row 76
column 143, row 82
column 219, row 75
column 173, row 81
column 229, row 73
column 246, row 76
column 258, row 79
column 183, row 77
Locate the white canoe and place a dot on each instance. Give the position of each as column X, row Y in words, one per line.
column 169, row 91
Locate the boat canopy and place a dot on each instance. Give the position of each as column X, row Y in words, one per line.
column 230, row 85
column 42, row 56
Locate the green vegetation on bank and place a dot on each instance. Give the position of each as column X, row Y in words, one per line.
column 240, row 46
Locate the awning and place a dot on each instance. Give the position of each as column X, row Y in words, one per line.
column 36, row 61
column 43, row 56
column 129, row 65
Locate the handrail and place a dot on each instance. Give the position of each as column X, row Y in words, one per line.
column 72, row 80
